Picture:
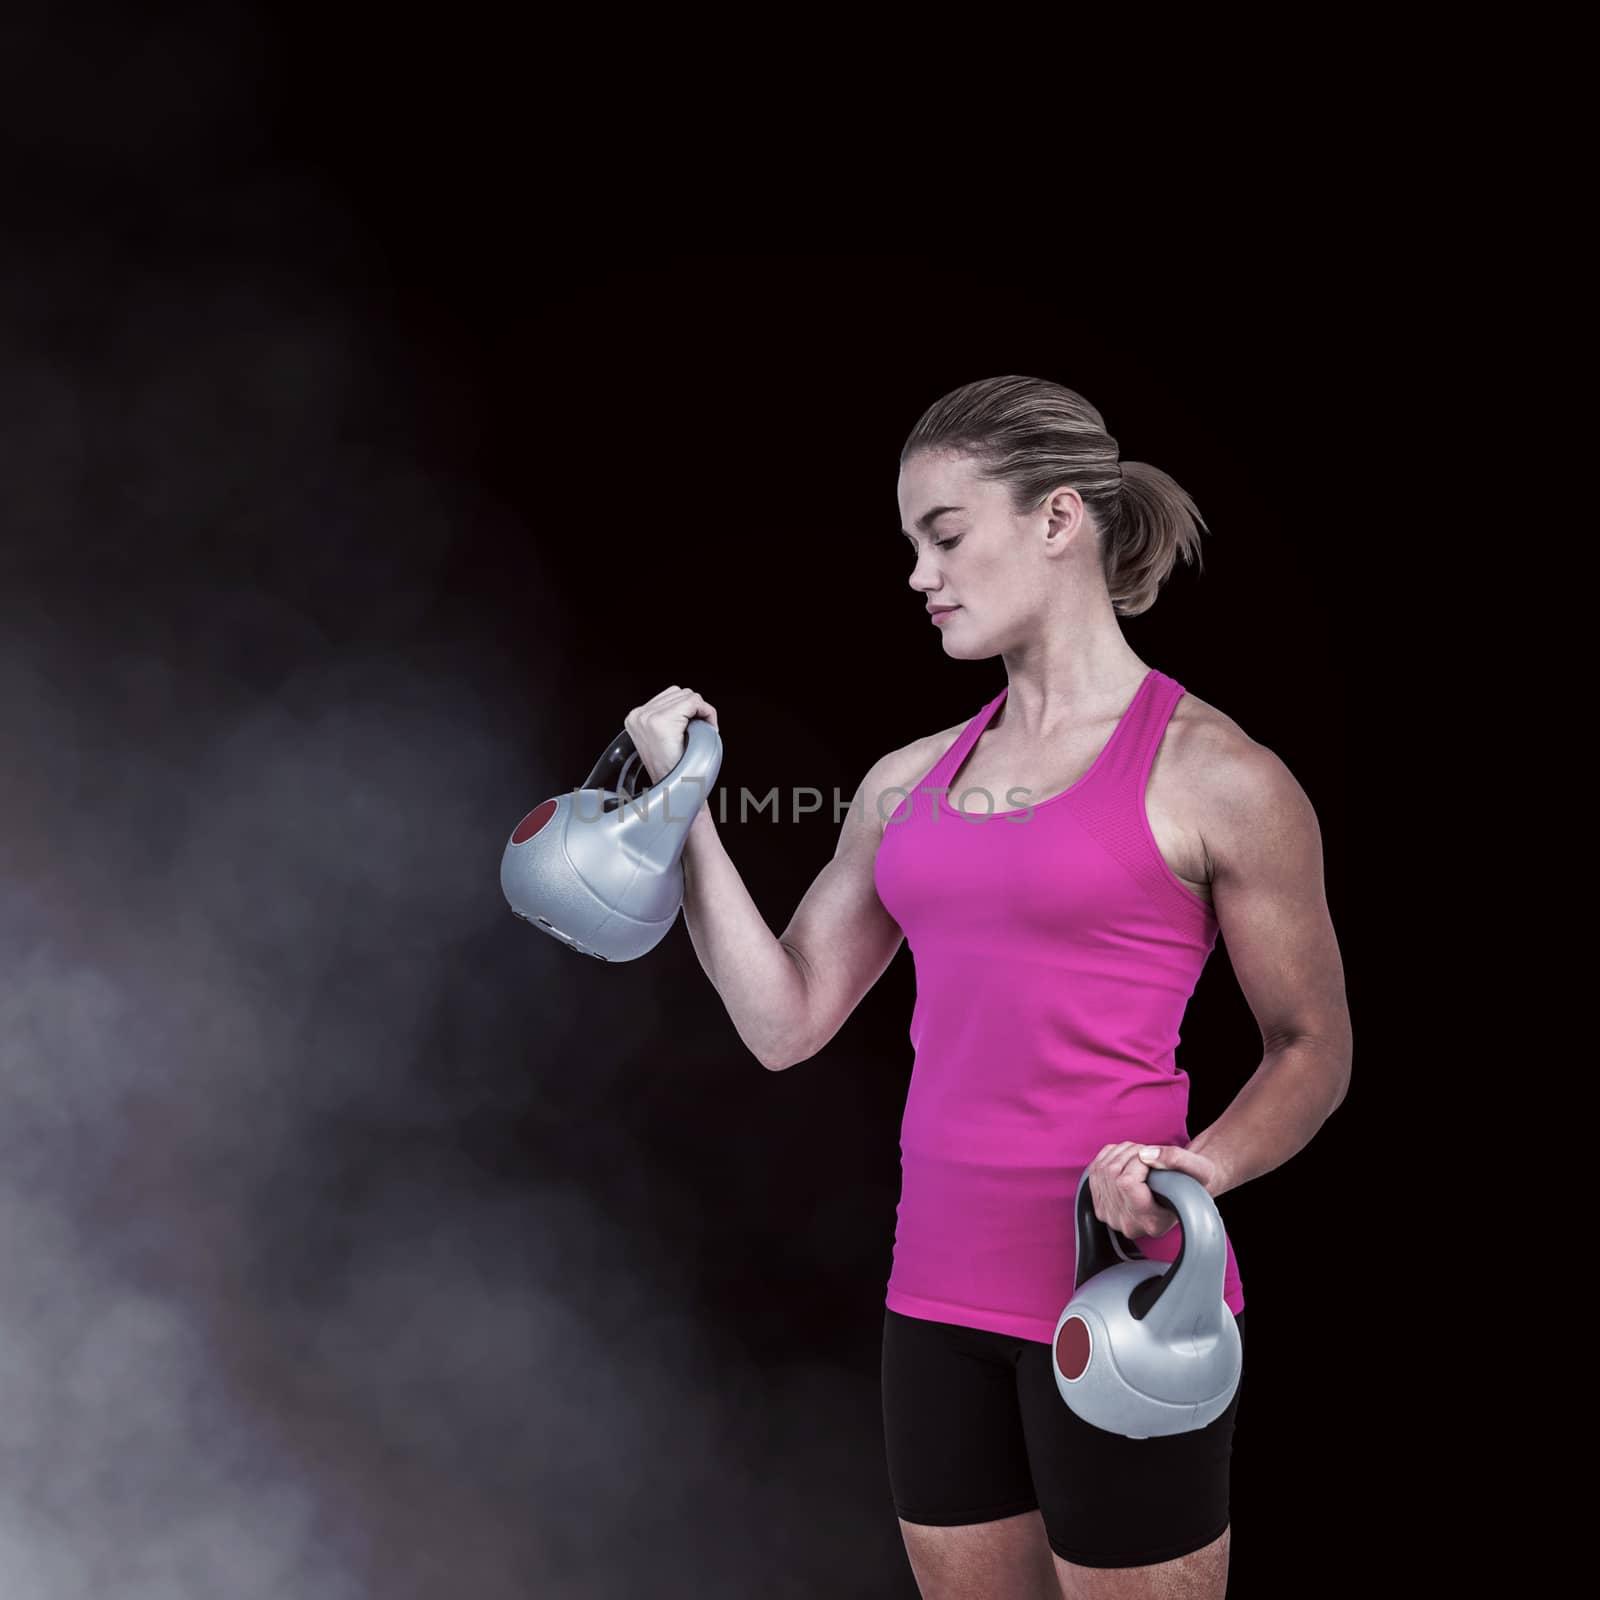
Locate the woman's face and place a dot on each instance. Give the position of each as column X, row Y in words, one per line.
column 977, row 557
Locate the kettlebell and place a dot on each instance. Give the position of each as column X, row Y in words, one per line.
column 1147, row 1347
column 600, row 868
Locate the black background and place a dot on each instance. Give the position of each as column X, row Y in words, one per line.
column 358, row 491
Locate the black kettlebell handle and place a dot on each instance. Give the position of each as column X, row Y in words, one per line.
column 1099, row 1244
column 620, row 771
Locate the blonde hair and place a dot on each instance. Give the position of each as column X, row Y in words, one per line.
column 1033, row 436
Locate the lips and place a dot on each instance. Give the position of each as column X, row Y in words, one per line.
column 934, row 611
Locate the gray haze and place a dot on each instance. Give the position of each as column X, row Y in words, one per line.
column 276, row 1324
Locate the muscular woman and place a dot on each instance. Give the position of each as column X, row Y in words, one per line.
column 1061, row 865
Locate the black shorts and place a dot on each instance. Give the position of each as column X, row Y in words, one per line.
column 976, row 1429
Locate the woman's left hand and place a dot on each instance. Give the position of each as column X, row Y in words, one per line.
column 1122, row 1198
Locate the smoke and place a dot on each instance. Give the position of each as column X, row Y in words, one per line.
column 286, row 1310
column 274, row 1323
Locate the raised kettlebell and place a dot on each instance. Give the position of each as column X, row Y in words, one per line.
column 600, row 868
column 1143, row 1347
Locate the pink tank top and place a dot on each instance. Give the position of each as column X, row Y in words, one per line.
column 1055, row 952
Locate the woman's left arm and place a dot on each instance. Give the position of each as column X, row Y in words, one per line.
column 1265, row 852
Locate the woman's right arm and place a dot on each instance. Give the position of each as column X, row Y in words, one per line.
column 788, row 996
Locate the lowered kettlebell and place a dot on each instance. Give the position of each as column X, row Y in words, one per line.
column 600, row 869
column 1147, row 1347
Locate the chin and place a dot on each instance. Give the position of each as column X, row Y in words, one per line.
column 965, row 650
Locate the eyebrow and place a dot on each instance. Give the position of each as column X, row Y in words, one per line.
column 928, row 518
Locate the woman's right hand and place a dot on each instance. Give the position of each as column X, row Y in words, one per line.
column 660, row 728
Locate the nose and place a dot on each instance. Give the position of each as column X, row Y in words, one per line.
column 923, row 576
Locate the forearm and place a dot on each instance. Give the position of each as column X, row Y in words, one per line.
column 1289, row 1096
column 758, row 981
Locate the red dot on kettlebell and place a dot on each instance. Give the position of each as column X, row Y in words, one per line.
column 534, row 821
column 1072, row 1347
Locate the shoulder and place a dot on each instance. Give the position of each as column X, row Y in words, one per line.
column 1241, row 784
column 896, row 773
column 1208, row 740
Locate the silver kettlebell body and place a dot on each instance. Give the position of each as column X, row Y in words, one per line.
column 1147, row 1348
column 600, row 868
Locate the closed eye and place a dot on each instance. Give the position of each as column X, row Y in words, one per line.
column 939, row 544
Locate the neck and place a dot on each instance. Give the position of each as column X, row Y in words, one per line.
column 1067, row 681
